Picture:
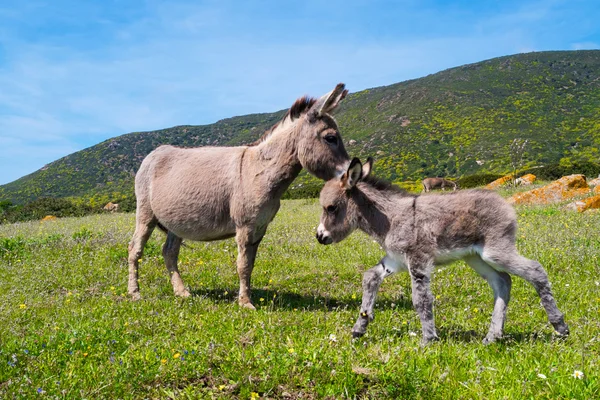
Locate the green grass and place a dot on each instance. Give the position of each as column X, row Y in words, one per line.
column 67, row 329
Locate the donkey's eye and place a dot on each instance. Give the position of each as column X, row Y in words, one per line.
column 331, row 139
column 331, row 209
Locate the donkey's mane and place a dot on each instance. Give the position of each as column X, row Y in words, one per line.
column 300, row 106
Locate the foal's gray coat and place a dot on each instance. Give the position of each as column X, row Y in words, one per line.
column 213, row 193
column 419, row 232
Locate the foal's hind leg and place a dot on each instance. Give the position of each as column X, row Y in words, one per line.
column 420, row 267
column 145, row 223
column 170, row 254
column 533, row 272
column 500, row 283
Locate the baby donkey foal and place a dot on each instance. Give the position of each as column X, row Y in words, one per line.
column 419, row 232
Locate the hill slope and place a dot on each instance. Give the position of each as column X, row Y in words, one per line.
column 455, row 122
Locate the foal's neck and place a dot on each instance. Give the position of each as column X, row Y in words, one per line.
column 376, row 207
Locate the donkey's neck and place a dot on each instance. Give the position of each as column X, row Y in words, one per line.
column 279, row 157
column 377, row 207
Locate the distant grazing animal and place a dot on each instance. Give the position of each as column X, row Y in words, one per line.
column 112, row 207
column 419, row 232
column 437, row 183
column 214, row 193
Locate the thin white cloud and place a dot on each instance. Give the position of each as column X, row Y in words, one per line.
column 585, row 46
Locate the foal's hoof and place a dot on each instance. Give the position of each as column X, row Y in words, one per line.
column 428, row 341
column 491, row 339
column 357, row 334
column 562, row 330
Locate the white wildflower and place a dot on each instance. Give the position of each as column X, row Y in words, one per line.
column 577, row 374
column 542, row 376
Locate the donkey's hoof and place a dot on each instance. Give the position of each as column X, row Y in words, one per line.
column 247, row 305
column 135, row 296
column 183, row 293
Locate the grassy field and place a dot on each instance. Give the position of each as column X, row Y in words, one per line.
column 67, row 329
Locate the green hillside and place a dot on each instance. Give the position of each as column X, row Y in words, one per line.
column 456, row 122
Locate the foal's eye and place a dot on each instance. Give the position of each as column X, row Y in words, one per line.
column 331, row 139
column 331, row 209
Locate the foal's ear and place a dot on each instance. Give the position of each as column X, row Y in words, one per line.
column 353, row 175
column 367, row 168
column 330, row 101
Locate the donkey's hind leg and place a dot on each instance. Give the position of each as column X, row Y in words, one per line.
column 500, row 283
column 170, row 252
column 145, row 224
column 247, row 241
column 533, row 272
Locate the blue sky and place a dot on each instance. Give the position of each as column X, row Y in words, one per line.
column 74, row 73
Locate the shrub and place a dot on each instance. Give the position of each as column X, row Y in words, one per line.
column 39, row 208
column 556, row 171
column 471, row 181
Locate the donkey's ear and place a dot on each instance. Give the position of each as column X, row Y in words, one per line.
column 353, row 175
column 330, row 101
column 367, row 168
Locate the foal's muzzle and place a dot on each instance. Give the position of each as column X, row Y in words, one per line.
column 323, row 235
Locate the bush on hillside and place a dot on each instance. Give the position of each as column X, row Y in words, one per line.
column 553, row 172
column 39, row 208
column 471, row 181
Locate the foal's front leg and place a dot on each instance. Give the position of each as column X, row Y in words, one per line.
column 247, row 248
column 371, row 282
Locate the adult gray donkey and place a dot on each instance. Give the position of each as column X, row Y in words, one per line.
column 419, row 232
column 214, row 193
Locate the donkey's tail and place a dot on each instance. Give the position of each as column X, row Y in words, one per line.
column 162, row 228
column 166, row 231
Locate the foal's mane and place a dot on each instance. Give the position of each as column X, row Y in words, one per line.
column 382, row 185
column 300, row 106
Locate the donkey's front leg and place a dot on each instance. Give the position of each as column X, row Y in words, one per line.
column 371, row 281
column 423, row 299
column 247, row 248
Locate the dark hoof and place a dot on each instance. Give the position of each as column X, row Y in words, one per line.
column 356, row 335
column 563, row 331
column 429, row 341
column 489, row 340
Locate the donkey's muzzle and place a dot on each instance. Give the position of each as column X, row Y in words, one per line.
column 323, row 239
